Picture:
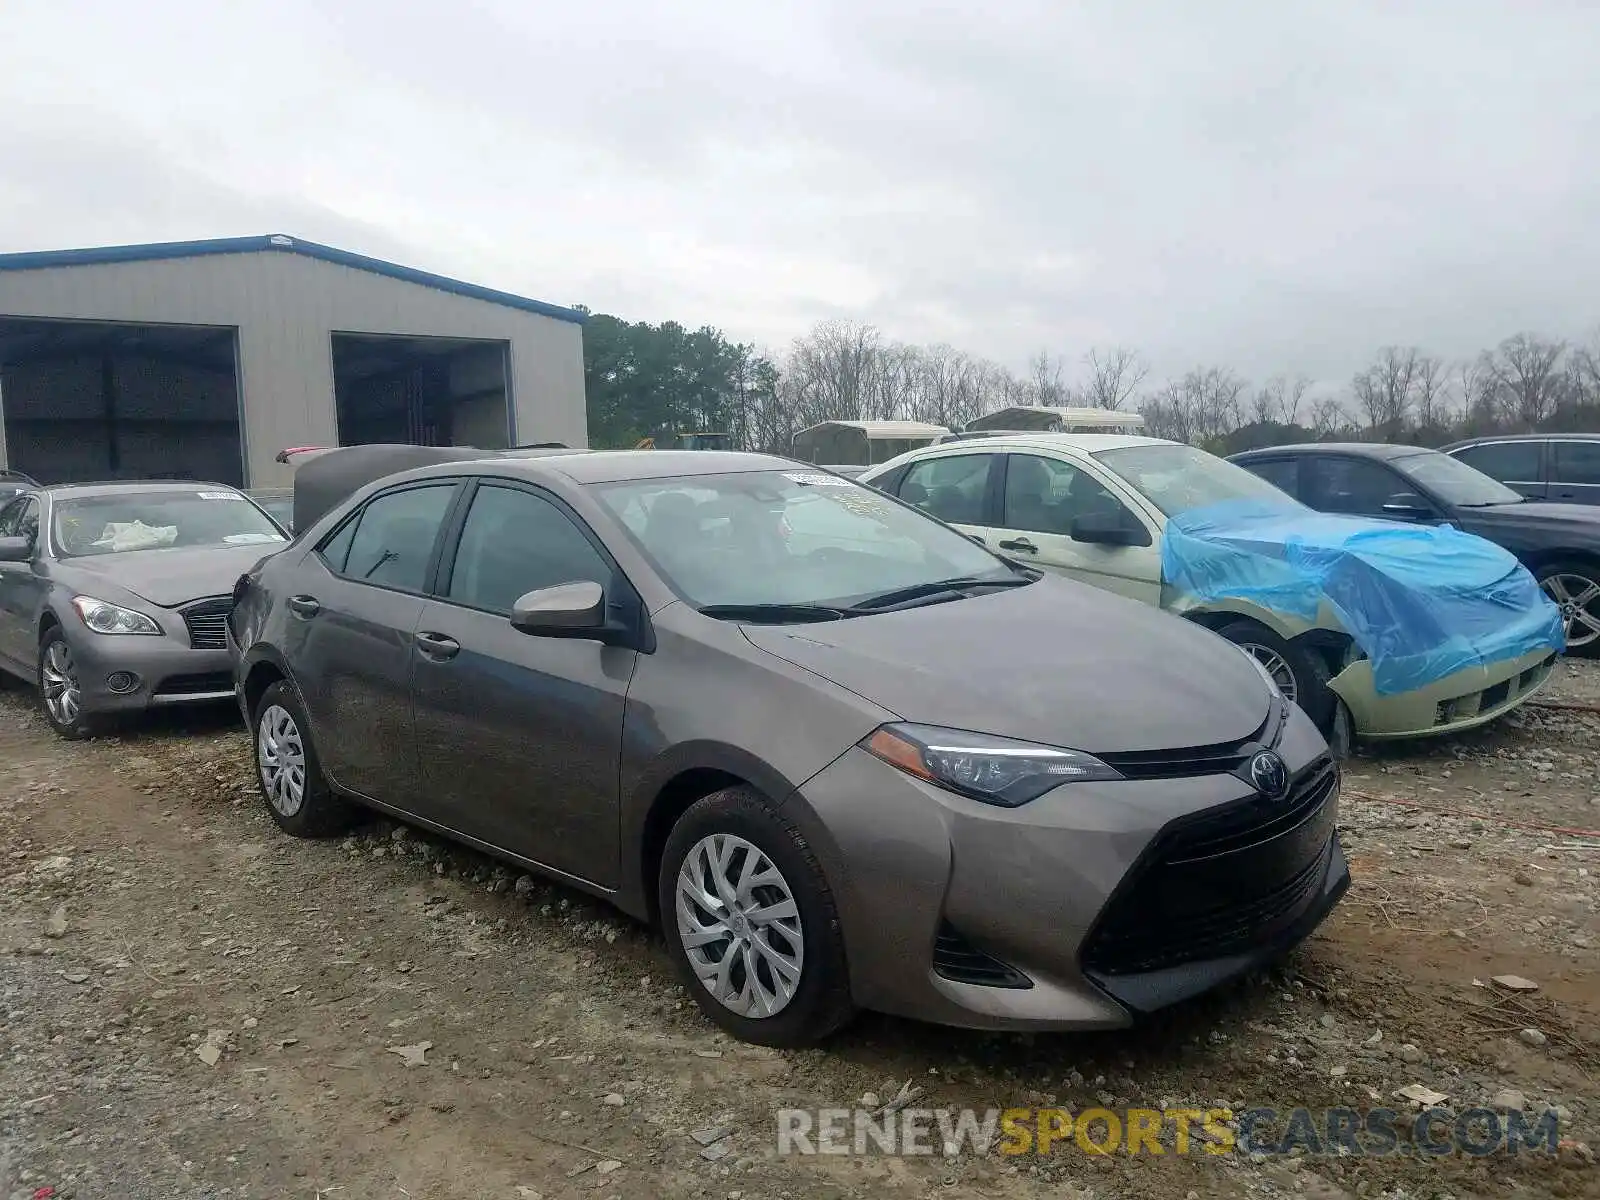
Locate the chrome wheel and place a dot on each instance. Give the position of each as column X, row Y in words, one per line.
column 740, row 925
column 1276, row 667
column 62, row 695
column 1578, row 598
column 281, row 759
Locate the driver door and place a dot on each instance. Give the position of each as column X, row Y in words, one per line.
column 20, row 587
column 1041, row 497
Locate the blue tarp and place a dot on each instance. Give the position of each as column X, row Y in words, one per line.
column 1423, row 601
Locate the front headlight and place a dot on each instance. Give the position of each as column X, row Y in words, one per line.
column 110, row 618
column 996, row 770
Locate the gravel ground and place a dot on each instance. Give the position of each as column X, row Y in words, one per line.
column 193, row 1005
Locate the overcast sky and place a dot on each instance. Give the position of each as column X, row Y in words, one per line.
column 1272, row 186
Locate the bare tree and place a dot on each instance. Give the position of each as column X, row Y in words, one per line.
column 1583, row 372
column 1277, row 402
column 1430, row 391
column 1526, row 370
column 1114, row 376
column 1328, row 417
column 1384, row 390
column 1045, row 375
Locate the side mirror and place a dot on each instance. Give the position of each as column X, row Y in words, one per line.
column 16, row 549
column 1407, row 506
column 1108, row 529
column 566, row 610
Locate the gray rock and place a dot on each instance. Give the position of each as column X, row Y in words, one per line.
column 1509, row 1100
column 1409, row 1053
column 1532, row 1037
column 55, row 925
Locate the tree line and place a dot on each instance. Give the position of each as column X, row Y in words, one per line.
column 647, row 380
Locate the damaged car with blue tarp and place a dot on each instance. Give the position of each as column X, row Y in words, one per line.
column 1377, row 629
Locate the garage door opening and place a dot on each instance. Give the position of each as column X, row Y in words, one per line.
column 89, row 400
column 425, row 391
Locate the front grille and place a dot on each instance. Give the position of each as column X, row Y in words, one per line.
column 1471, row 704
column 1223, row 758
column 195, row 685
column 1219, row 883
column 207, row 621
column 958, row 960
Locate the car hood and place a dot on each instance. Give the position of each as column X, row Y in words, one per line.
column 1534, row 513
column 1055, row 662
column 168, row 578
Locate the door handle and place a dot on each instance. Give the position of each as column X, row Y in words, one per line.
column 437, row 646
column 1020, row 544
column 304, row 606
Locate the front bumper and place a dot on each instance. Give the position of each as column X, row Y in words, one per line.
column 1469, row 698
column 167, row 672
column 1050, row 916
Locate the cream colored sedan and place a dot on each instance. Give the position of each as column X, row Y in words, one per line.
column 1094, row 507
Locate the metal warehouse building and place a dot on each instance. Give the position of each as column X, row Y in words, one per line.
column 201, row 360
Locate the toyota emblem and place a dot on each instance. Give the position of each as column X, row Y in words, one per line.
column 1270, row 775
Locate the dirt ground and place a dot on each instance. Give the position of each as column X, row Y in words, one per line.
column 193, row 1005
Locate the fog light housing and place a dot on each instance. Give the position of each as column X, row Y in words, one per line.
column 122, row 682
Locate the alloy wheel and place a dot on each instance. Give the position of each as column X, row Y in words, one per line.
column 281, row 759
column 1578, row 598
column 62, row 694
column 740, row 925
column 1276, row 667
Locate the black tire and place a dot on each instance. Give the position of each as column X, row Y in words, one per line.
column 1573, row 568
column 1312, row 692
column 820, row 1003
column 81, row 725
column 320, row 812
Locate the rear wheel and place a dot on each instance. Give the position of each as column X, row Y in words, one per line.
column 750, row 922
column 1574, row 585
column 1300, row 676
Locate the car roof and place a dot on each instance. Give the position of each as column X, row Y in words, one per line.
column 1378, row 450
column 119, row 487
column 1089, row 443
column 1492, row 438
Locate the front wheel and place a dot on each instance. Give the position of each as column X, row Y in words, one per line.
column 61, row 689
column 1300, row 676
column 1575, row 588
column 751, row 923
column 297, row 793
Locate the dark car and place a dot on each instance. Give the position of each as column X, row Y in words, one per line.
column 114, row 596
column 847, row 757
column 1542, row 466
column 1559, row 543
column 14, row 482
column 278, row 503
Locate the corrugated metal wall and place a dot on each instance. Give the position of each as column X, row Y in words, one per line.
column 285, row 307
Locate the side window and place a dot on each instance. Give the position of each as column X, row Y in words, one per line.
column 393, row 538
column 951, row 488
column 1281, row 473
column 514, row 542
column 1576, row 462
column 1046, row 495
column 335, row 548
column 28, row 522
column 11, row 518
column 1509, row 462
column 1354, row 486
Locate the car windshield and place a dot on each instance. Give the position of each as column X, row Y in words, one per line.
column 1453, row 481
column 791, row 538
column 150, row 519
column 1178, row 479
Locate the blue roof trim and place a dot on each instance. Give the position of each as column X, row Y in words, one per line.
column 40, row 259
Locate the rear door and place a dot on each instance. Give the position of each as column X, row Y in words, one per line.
column 353, row 607
column 1520, row 465
column 519, row 738
column 956, row 488
column 1040, row 498
column 1575, row 471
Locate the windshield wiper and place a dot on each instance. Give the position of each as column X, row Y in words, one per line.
column 937, row 588
column 774, row 614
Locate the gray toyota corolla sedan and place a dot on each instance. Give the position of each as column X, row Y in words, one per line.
column 114, row 596
column 845, row 756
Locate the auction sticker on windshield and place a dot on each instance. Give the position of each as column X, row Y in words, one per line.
column 220, row 496
column 817, row 479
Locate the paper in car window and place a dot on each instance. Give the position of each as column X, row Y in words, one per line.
column 220, row 496
column 251, row 539
column 817, row 479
